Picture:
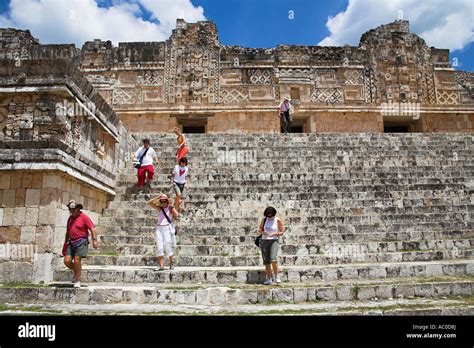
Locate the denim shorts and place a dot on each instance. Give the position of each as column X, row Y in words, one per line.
column 269, row 248
column 80, row 250
column 178, row 188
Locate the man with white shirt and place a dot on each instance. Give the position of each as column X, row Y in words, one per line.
column 146, row 156
column 284, row 113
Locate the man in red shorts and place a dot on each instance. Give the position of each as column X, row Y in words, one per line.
column 146, row 156
column 77, row 237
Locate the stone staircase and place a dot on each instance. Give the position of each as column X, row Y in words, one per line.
column 368, row 217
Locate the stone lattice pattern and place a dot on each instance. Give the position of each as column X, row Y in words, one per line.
column 332, row 95
column 448, row 97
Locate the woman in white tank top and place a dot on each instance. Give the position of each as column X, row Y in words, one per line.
column 271, row 228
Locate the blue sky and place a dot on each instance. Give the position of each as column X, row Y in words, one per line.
column 250, row 23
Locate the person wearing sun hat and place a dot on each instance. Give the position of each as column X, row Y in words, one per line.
column 77, row 239
column 165, row 230
column 284, row 114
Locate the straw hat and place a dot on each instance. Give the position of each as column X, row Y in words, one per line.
column 73, row 205
column 156, row 200
column 287, row 98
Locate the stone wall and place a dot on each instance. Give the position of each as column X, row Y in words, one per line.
column 192, row 73
column 60, row 141
column 33, row 216
column 159, row 85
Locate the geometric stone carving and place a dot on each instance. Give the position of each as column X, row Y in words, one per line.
column 294, row 73
column 354, row 77
column 447, row 97
column 325, row 76
column 431, row 90
column 370, row 86
column 127, row 96
column 327, row 95
column 102, row 81
column 234, row 95
column 260, row 76
column 150, row 78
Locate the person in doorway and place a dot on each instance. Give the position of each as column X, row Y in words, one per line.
column 284, row 114
column 182, row 149
column 165, row 229
column 77, row 239
column 178, row 181
column 146, row 156
column 271, row 228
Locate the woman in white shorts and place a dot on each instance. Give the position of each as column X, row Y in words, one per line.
column 165, row 229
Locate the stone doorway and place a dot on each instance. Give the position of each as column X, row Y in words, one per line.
column 401, row 125
column 193, row 124
column 193, row 129
column 396, row 129
column 300, row 125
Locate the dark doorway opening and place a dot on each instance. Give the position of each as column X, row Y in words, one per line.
column 194, row 129
column 297, row 129
column 396, row 129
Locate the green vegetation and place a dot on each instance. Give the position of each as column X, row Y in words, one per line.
column 16, row 285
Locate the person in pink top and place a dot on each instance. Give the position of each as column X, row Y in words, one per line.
column 165, row 229
column 77, row 240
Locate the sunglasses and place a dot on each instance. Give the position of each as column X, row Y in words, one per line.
column 163, row 201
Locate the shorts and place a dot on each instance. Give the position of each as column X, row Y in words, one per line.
column 178, row 188
column 80, row 250
column 269, row 248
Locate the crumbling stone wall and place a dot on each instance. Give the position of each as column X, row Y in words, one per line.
column 60, row 141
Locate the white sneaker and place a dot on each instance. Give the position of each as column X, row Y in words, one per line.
column 267, row 282
column 77, row 284
column 277, row 279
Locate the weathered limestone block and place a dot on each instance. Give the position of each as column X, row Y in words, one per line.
column 11, row 234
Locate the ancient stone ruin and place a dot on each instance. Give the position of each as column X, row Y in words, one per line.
column 369, row 215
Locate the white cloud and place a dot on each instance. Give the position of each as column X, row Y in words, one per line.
column 166, row 11
column 77, row 21
column 442, row 24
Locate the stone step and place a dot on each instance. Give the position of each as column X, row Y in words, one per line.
column 225, row 260
column 255, row 274
column 239, row 294
column 417, row 306
column 409, row 198
column 341, row 232
column 341, row 201
column 387, row 191
column 313, row 221
column 325, row 172
column 250, row 212
column 213, row 166
column 198, row 152
column 317, row 149
column 112, row 239
column 291, row 249
column 338, row 149
column 294, row 180
column 218, row 164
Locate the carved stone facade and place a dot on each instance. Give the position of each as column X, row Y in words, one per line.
column 192, row 77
